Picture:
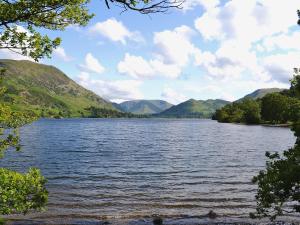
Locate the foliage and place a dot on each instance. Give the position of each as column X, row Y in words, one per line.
column 279, row 184
column 274, row 108
column 19, row 192
column 295, row 84
column 95, row 112
column 21, row 21
column 247, row 111
column 251, row 112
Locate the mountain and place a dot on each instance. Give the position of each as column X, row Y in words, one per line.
column 46, row 90
column 194, row 109
column 260, row 93
column 143, row 107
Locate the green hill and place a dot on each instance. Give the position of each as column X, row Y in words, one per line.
column 194, row 109
column 143, row 107
column 46, row 90
column 260, row 93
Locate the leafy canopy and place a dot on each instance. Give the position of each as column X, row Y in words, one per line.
column 22, row 20
column 279, row 184
column 19, row 193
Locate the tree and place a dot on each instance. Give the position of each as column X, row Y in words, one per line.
column 295, row 84
column 146, row 6
column 19, row 193
column 274, row 108
column 251, row 110
column 21, row 21
column 279, row 184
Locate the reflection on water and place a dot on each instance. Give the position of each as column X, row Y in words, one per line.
column 119, row 169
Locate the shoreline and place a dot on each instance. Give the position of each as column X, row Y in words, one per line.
column 147, row 221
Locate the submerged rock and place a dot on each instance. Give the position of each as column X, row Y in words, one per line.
column 212, row 214
column 157, row 221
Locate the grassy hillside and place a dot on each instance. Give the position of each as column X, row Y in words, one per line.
column 143, row 107
column 194, row 109
column 46, row 90
column 260, row 93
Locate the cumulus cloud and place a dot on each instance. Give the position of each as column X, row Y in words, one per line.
column 280, row 66
column 139, row 68
column 243, row 29
column 116, row 90
column 282, row 41
column 91, row 65
column 61, row 54
column 135, row 66
column 247, row 21
column 206, row 4
column 7, row 54
column 175, row 46
column 173, row 50
column 173, row 96
column 115, row 31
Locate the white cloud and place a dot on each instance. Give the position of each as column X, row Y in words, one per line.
column 135, row 66
column 116, row 91
column 249, row 20
column 91, row 65
column 139, row 68
column 174, row 46
column 243, row 29
column 61, row 54
column 282, row 41
column 280, row 66
column 206, row 4
column 173, row 96
column 115, row 31
column 173, row 50
column 7, row 54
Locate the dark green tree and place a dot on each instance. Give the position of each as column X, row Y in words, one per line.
column 251, row 111
column 279, row 184
column 274, row 108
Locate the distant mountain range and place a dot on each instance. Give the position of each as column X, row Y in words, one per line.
column 46, row 90
column 260, row 93
column 143, row 107
column 194, row 109
column 49, row 92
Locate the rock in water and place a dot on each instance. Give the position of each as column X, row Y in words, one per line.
column 212, row 214
column 157, row 221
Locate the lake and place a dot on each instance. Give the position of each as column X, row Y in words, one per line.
column 126, row 170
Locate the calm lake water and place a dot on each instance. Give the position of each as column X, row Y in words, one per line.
column 130, row 169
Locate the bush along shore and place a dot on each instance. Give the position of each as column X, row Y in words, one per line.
column 274, row 109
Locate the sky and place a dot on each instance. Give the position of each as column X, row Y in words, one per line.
column 210, row 49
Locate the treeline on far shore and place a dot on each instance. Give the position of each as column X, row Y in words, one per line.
column 274, row 108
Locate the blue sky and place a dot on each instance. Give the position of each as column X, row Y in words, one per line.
column 210, row 49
